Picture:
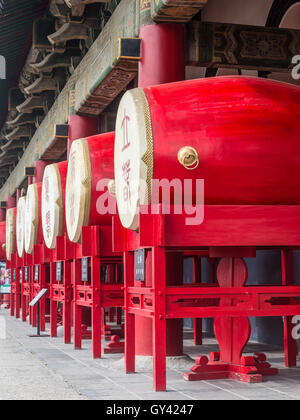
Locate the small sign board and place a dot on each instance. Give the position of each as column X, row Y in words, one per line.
column 4, row 278
column 84, row 269
column 38, row 297
column 36, row 273
column 139, row 265
column 58, row 271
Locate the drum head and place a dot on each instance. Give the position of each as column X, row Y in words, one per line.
column 10, row 233
column 20, row 226
column 78, row 189
column 133, row 156
column 52, row 205
column 31, row 218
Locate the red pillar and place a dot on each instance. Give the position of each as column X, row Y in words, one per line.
column 39, row 168
column 11, row 202
column 2, row 215
column 80, row 127
column 162, row 61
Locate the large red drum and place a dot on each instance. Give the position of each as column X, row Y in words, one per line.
column 33, row 220
column 90, row 171
column 239, row 134
column 53, row 202
column 10, row 234
column 20, row 226
column 2, row 240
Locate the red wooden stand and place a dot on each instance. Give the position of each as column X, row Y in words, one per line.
column 16, row 270
column 40, row 279
column 95, row 293
column 26, row 286
column 61, row 289
column 229, row 233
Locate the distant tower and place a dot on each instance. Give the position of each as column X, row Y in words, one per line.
column 2, row 67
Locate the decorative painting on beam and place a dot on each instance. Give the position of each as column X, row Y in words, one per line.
column 240, row 46
column 123, row 71
column 175, row 10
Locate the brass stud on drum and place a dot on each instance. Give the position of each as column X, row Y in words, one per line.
column 188, row 157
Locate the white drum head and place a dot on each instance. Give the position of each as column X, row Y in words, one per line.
column 10, row 233
column 31, row 218
column 20, row 226
column 78, row 189
column 52, row 205
column 133, row 156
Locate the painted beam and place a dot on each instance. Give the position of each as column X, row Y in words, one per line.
column 218, row 45
column 175, row 10
column 101, row 66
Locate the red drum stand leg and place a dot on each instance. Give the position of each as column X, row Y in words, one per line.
column 129, row 317
column 197, row 321
column 77, row 316
column 232, row 334
column 67, row 308
column 96, row 308
column 53, row 304
column 290, row 345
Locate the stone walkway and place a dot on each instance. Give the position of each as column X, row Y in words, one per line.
column 45, row 368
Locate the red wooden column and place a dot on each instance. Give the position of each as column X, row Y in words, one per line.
column 43, row 301
column 162, row 61
column 53, row 303
column 197, row 280
column 77, row 316
column 19, row 274
column 11, row 203
column 80, row 127
column 130, row 318
column 67, row 309
column 159, row 320
column 290, row 345
column 96, row 307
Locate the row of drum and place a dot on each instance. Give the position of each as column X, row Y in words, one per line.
column 239, row 134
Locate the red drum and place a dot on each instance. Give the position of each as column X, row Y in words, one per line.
column 90, row 170
column 239, row 134
column 10, row 235
column 2, row 240
column 20, row 226
column 33, row 220
column 53, row 202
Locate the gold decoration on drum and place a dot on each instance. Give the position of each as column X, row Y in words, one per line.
column 148, row 156
column 188, row 157
column 111, row 186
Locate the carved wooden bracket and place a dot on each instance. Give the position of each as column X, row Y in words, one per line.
column 53, row 61
column 59, row 143
column 19, row 132
column 42, row 84
column 69, row 31
column 123, row 71
column 42, row 102
column 239, row 46
column 21, row 119
column 15, row 98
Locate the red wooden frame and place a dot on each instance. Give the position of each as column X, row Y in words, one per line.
column 96, row 244
column 228, row 232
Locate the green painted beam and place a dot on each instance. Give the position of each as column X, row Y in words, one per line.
column 95, row 68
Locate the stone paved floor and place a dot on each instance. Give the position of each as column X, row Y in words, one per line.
column 45, row 368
